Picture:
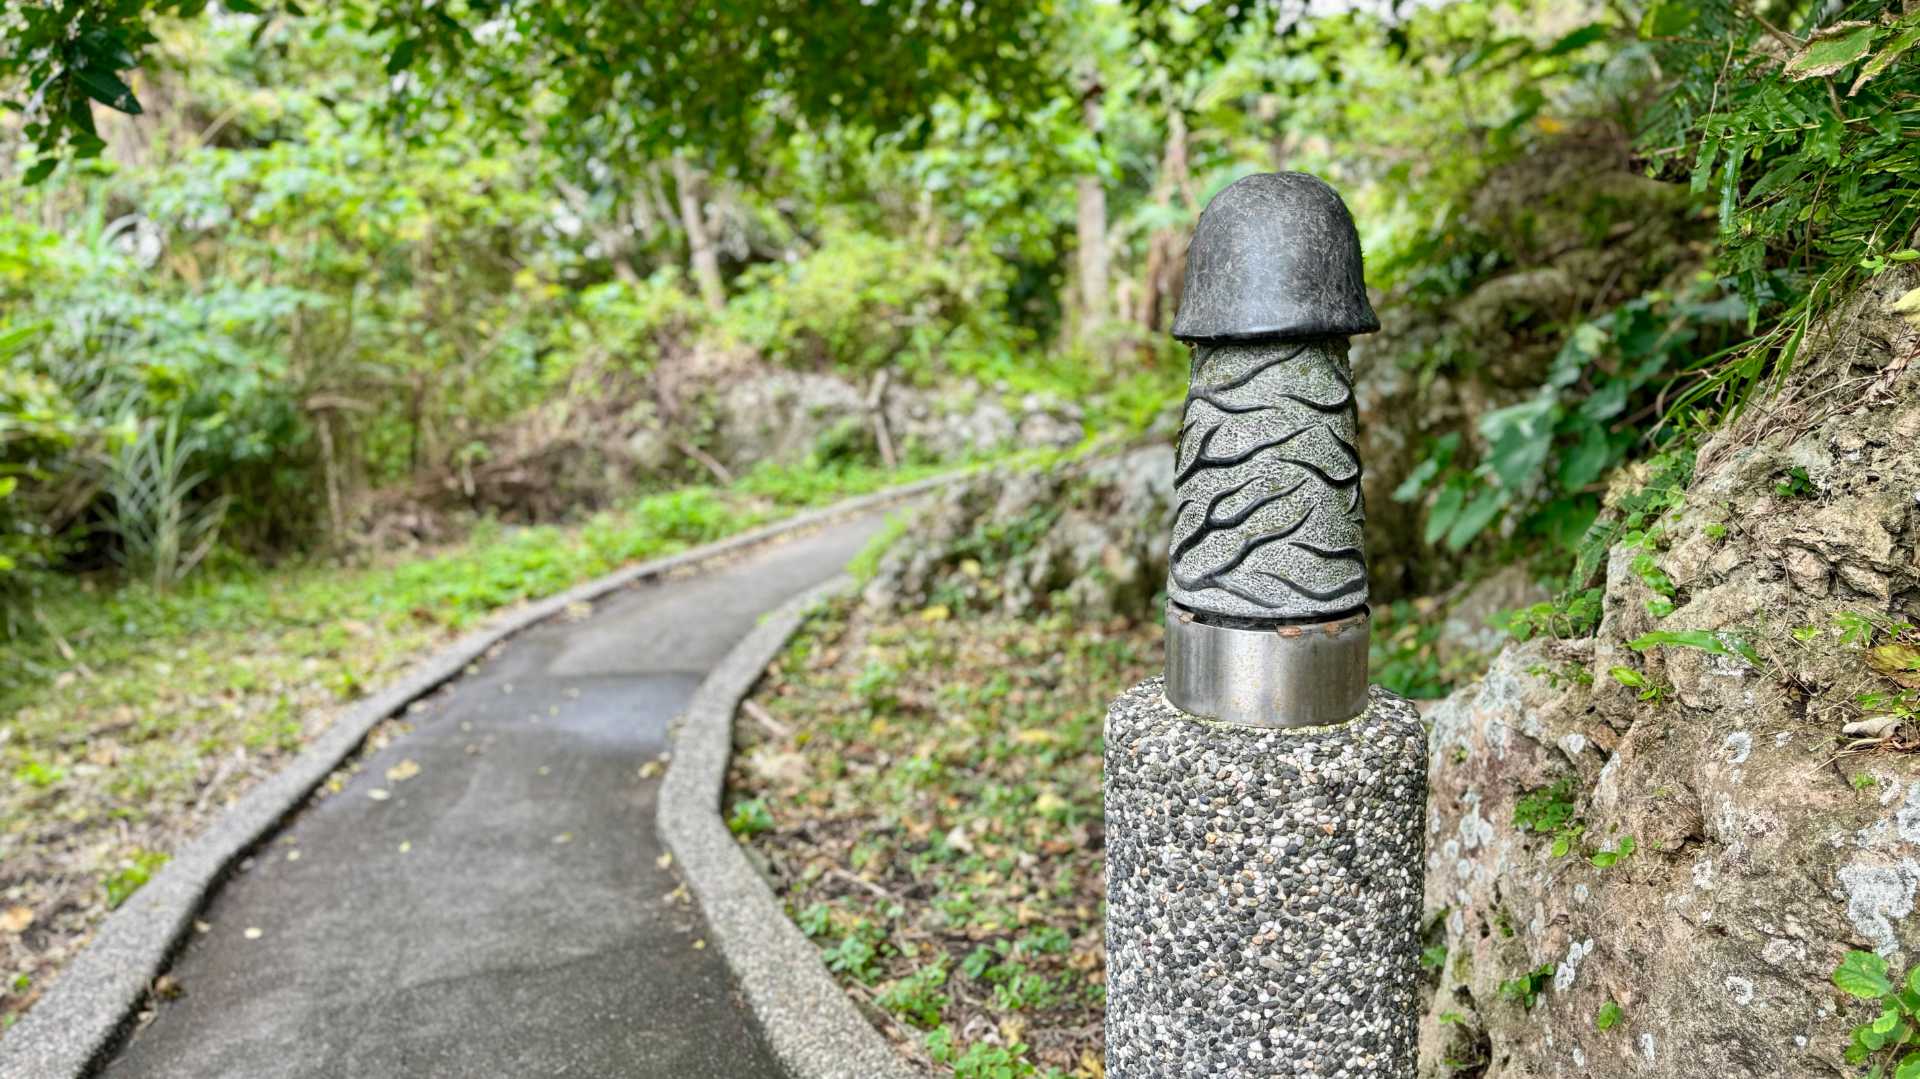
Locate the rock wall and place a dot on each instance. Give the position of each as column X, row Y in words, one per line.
column 1090, row 537
column 1767, row 842
column 779, row 414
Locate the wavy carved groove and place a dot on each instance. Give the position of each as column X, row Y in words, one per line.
column 1273, row 529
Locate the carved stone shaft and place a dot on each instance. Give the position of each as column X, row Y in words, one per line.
column 1269, row 513
column 1267, row 574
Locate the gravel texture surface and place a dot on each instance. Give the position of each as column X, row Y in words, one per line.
column 1264, row 893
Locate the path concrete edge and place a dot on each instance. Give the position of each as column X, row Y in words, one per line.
column 809, row 1023
column 79, row 1023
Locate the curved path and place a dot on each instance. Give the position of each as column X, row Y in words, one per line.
column 503, row 911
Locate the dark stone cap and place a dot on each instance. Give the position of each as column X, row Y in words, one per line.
column 1275, row 257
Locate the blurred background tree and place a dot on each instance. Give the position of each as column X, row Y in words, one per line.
column 341, row 257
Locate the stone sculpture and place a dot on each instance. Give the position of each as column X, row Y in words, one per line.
column 1265, row 812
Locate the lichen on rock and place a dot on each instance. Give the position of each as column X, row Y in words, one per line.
column 1766, row 843
column 1090, row 537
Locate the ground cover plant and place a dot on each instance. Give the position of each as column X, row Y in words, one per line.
column 138, row 713
column 926, row 794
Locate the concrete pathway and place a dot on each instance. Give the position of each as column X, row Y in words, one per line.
column 499, row 913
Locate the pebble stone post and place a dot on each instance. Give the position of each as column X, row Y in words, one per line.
column 1265, row 809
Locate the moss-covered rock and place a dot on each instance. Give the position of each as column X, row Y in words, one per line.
column 1767, row 840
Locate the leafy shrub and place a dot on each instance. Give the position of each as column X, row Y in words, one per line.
column 864, row 301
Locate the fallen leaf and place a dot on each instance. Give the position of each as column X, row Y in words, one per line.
column 403, row 771
column 1900, row 662
column 16, row 919
column 699, row 945
column 379, row 794
column 1907, row 306
column 664, row 860
column 563, row 837
column 293, row 856
column 167, row 987
column 251, row 932
column 406, row 845
column 1872, row 726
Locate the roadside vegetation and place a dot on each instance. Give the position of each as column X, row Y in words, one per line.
column 138, row 713
column 326, row 330
column 1598, row 236
column 922, row 791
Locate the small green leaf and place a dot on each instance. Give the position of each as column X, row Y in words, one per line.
column 1909, row 1067
column 1666, row 20
column 1608, row 1017
column 1627, row 676
column 1864, row 975
column 1884, row 59
column 1446, row 507
column 1704, row 640
column 106, row 88
column 1475, row 518
column 1832, row 49
column 402, row 57
column 40, row 170
column 1576, row 40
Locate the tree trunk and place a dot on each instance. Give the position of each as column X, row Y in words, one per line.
column 701, row 255
column 1166, row 255
column 1092, row 228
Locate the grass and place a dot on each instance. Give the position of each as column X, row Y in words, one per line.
column 138, row 714
column 927, row 793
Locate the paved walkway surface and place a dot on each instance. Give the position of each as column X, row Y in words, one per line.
column 499, row 913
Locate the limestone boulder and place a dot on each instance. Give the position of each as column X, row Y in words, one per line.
column 1766, row 841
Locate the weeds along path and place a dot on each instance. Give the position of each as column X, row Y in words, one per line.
column 484, row 895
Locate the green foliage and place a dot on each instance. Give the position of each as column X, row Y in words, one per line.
column 1404, row 653
column 1811, row 161
column 862, row 301
column 1607, row 859
column 1545, row 456
column 1608, row 1016
column 1796, row 484
column 1526, row 989
column 1647, row 689
column 134, row 871
column 630, row 81
column 1888, row 1040
column 815, row 920
column 979, row 1060
column 917, row 997
column 857, row 955
column 749, row 818
column 1550, row 811
column 1719, row 644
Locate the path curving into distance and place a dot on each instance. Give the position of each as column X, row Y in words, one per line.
column 502, row 912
